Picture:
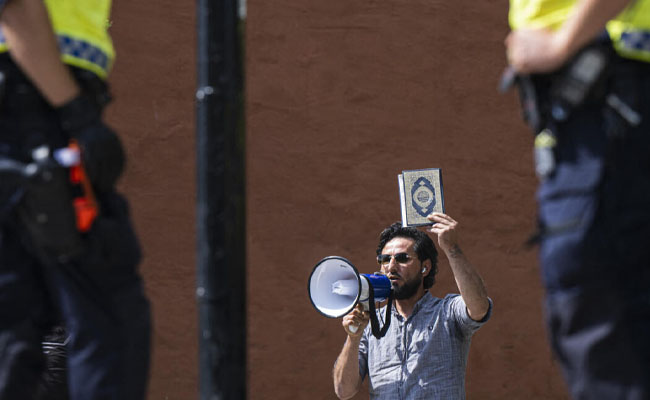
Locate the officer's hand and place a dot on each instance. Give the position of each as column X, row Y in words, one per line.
column 357, row 318
column 101, row 150
column 536, row 50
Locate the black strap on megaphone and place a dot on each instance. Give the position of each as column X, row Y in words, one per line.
column 374, row 322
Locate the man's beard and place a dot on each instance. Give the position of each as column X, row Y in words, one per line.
column 408, row 289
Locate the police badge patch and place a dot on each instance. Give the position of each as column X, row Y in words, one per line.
column 420, row 193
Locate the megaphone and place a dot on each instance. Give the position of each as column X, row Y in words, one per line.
column 336, row 287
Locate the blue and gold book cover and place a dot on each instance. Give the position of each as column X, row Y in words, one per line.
column 420, row 193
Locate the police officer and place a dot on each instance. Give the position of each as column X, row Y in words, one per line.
column 594, row 201
column 54, row 58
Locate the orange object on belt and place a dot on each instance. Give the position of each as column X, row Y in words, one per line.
column 85, row 206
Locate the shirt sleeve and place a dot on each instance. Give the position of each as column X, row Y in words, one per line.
column 457, row 310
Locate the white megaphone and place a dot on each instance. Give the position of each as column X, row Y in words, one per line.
column 336, row 287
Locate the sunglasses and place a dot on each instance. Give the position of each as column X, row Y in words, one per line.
column 401, row 258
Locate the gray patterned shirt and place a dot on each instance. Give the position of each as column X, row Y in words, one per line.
column 422, row 357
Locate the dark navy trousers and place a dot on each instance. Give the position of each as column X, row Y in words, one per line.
column 595, row 254
column 99, row 298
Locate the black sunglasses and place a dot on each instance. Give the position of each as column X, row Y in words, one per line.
column 401, row 258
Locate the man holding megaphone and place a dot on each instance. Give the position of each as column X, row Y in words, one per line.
column 423, row 354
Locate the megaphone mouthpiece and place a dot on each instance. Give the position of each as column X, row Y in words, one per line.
column 347, row 287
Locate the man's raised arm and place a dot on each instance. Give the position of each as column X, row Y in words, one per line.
column 469, row 282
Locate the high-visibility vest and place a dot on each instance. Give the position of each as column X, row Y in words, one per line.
column 629, row 31
column 537, row 14
column 81, row 27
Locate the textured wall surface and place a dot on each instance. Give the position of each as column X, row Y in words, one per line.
column 341, row 96
column 153, row 83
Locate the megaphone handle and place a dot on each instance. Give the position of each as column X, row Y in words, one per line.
column 353, row 328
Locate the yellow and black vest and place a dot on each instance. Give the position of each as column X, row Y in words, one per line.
column 629, row 31
column 81, row 27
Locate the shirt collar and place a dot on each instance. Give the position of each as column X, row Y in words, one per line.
column 425, row 299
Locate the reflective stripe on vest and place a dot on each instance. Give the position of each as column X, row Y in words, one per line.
column 78, row 53
column 630, row 31
column 639, row 40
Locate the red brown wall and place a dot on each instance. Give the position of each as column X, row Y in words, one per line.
column 341, row 96
column 153, row 83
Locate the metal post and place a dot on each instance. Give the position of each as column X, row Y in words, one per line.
column 221, row 286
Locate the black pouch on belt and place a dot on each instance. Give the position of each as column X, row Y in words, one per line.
column 583, row 79
column 47, row 213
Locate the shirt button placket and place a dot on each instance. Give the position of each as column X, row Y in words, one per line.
column 404, row 328
column 401, row 370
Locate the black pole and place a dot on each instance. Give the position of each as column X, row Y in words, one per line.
column 221, row 286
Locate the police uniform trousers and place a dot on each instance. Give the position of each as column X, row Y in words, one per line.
column 98, row 298
column 595, row 252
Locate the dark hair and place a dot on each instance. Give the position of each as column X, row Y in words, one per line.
column 424, row 247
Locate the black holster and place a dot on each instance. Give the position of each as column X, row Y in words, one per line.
column 47, row 214
column 550, row 99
